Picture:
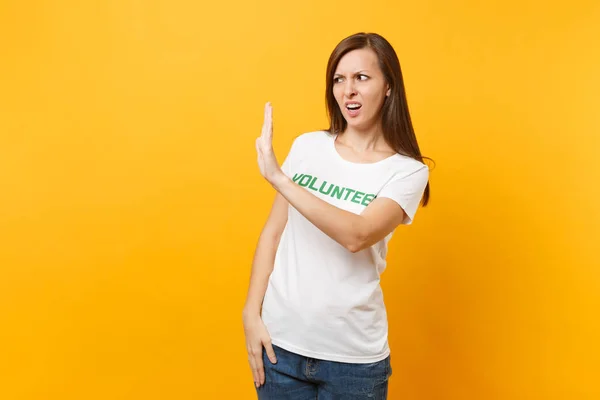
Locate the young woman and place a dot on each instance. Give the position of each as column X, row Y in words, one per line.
column 314, row 319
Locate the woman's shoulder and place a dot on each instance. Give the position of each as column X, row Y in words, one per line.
column 406, row 165
column 309, row 141
column 313, row 136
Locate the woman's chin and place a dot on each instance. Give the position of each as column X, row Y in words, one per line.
column 356, row 123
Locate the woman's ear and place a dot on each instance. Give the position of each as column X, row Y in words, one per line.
column 389, row 91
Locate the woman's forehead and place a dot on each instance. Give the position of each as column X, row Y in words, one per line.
column 357, row 60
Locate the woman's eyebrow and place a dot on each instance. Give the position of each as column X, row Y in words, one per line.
column 356, row 73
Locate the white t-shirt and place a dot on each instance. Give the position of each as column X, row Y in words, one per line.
column 323, row 301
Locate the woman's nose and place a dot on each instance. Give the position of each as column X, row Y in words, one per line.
column 350, row 89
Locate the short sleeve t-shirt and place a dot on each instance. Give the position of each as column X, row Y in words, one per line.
column 323, row 301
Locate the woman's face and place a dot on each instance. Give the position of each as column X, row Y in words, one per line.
column 359, row 88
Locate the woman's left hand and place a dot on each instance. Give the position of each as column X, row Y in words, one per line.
column 267, row 162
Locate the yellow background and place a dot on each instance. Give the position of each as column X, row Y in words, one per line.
column 131, row 203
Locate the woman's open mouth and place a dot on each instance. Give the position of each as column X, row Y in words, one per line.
column 353, row 108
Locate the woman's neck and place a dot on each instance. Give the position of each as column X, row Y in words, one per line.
column 370, row 139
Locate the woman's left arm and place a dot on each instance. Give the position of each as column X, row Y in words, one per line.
column 354, row 232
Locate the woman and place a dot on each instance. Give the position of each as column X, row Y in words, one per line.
column 314, row 318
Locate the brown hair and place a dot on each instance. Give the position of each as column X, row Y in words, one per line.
column 396, row 123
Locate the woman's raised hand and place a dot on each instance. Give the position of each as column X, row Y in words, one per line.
column 267, row 162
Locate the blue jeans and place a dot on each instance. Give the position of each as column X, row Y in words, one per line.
column 295, row 377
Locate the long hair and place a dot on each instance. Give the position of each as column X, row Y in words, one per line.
column 395, row 117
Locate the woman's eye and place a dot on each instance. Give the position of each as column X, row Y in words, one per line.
column 337, row 80
column 362, row 77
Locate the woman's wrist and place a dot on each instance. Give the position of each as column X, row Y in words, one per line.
column 280, row 181
column 250, row 311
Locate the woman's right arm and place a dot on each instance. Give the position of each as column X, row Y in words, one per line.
column 262, row 266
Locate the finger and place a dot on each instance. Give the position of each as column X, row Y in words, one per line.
column 260, row 368
column 270, row 123
column 266, row 111
column 270, row 352
column 260, row 144
column 265, row 120
column 253, row 368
